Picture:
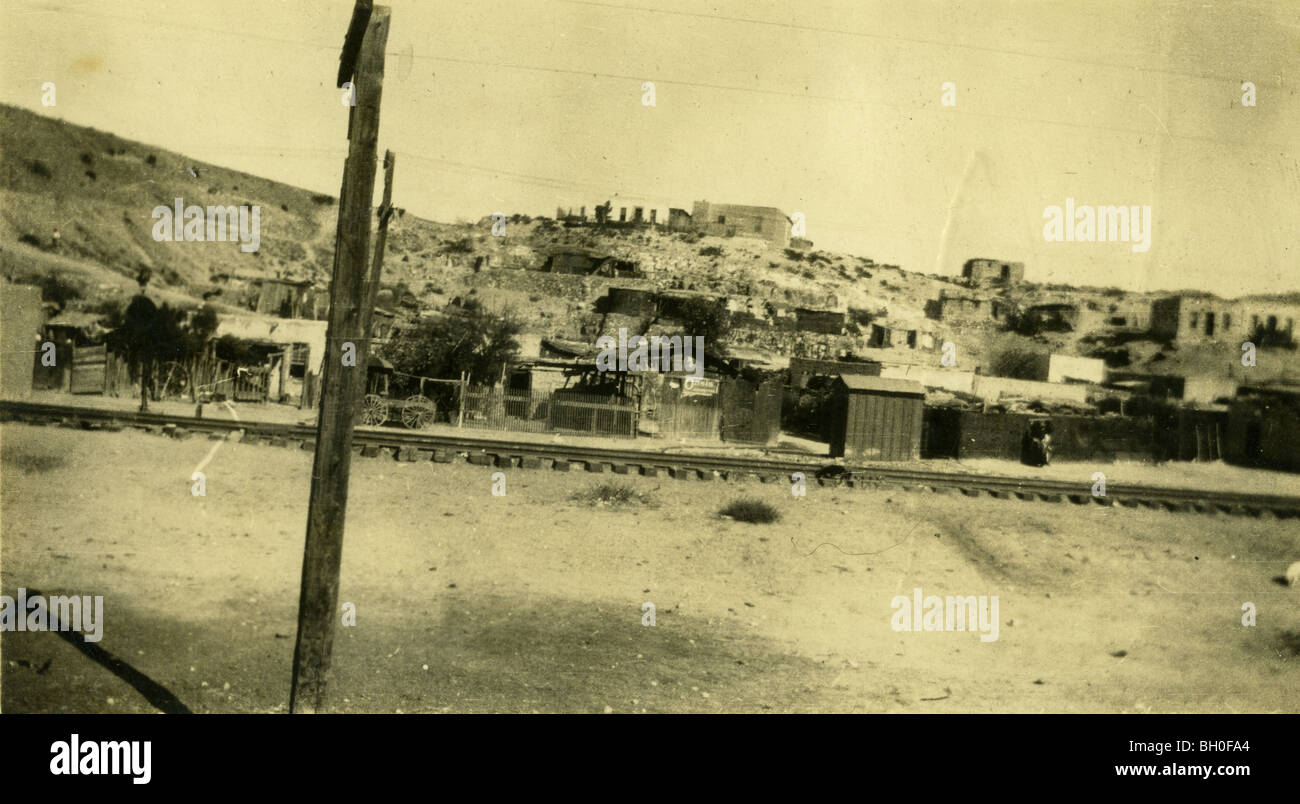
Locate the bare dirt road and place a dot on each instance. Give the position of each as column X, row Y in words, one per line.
column 469, row 602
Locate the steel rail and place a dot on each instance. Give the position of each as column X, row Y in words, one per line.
column 505, row 452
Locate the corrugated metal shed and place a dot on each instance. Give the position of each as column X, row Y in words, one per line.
column 877, row 418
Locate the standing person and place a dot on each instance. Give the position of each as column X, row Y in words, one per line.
column 1031, row 446
column 141, row 327
column 1047, row 443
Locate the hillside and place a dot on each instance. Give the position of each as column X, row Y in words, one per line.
column 99, row 190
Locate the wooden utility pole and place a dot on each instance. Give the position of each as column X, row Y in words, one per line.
column 381, row 238
column 342, row 385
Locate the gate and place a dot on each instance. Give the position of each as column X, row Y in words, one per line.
column 89, row 369
column 251, row 384
column 751, row 414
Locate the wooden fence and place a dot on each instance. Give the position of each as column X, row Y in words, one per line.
column 94, row 370
column 751, row 414
column 683, row 414
column 89, row 369
column 548, row 411
column 951, row 433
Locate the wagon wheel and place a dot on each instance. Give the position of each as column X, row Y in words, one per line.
column 418, row 412
column 172, row 380
column 374, row 410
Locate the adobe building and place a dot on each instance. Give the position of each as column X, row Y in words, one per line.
column 283, row 298
column 23, row 317
column 827, row 322
column 891, row 333
column 967, row 307
column 1130, row 315
column 1208, row 319
column 1058, row 317
column 679, row 220
column 627, row 300
column 980, row 271
column 1264, row 429
column 735, row 220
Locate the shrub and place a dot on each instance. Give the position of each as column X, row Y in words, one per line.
column 613, row 494
column 755, row 512
column 1018, row 363
column 464, row 245
column 40, row 169
column 59, row 290
column 34, row 464
column 105, row 308
column 859, row 316
column 711, row 251
column 708, row 319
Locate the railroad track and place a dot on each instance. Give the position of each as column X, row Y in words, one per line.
column 406, row 445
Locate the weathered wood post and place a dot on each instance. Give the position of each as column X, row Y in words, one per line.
column 349, row 323
column 381, row 238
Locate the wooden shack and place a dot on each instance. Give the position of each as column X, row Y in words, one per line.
column 876, row 418
column 1263, row 429
column 22, row 316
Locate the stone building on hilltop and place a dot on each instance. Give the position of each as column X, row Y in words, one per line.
column 980, row 271
column 735, row 220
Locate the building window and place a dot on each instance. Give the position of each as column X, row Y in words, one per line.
column 1227, row 321
column 722, row 219
column 758, row 226
column 1194, row 318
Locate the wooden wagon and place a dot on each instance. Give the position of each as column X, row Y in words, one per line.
column 377, row 408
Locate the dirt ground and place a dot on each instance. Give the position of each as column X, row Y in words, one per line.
column 469, row 602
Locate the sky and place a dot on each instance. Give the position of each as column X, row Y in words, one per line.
column 831, row 109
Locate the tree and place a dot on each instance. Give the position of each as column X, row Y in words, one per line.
column 1019, row 363
column 59, row 291
column 1267, row 334
column 704, row 317
column 148, row 335
column 473, row 340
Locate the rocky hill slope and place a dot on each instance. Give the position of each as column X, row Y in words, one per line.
column 99, row 192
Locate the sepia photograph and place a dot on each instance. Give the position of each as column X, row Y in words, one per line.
column 595, row 357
